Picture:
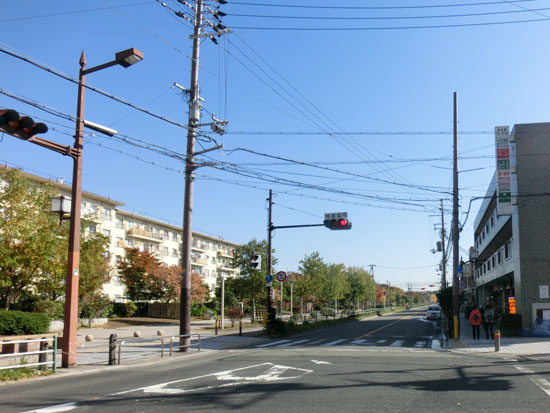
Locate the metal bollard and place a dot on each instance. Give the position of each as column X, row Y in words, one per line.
column 43, row 357
column 112, row 349
column 497, row 340
column 240, row 327
column 216, row 327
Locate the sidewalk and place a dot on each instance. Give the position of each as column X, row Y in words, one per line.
column 93, row 343
column 508, row 345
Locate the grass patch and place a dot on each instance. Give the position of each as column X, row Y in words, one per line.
column 22, row 373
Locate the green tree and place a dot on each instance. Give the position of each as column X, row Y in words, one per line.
column 29, row 242
column 312, row 282
column 251, row 285
column 362, row 286
column 336, row 284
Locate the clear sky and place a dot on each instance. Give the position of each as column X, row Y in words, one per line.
column 340, row 106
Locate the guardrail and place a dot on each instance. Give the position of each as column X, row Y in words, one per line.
column 153, row 340
column 42, row 353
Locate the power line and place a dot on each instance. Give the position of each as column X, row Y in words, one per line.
column 376, row 7
column 435, row 26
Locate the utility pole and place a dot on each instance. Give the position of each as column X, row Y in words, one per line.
column 187, row 235
column 455, row 218
column 444, row 258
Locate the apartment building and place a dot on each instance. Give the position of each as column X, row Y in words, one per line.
column 511, row 251
column 210, row 256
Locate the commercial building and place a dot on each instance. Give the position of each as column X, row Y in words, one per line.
column 210, row 256
column 511, row 253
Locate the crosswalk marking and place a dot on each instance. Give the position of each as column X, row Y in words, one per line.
column 293, row 343
column 343, row 342
column 333, row 343
column 274, row 343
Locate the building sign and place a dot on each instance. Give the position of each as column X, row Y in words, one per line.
column 512, row 305
column 543, row 291
column 504, row 189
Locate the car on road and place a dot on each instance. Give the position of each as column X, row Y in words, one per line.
column 433, row 312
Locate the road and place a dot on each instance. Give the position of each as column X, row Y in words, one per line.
column 389, row 364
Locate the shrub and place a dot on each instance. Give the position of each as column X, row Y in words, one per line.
column 95, row 306
column 18, row 322
column 124, row 309
column 52, row 309
column 234, row 314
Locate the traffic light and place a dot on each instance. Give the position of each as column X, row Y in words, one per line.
column 339, row 223
column 256, row 261
column 22, row 127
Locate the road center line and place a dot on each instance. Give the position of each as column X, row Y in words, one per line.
column 381, row 328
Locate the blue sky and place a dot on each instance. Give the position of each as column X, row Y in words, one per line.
column 338, row 119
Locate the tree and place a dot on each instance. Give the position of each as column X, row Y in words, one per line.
column 357, row 285
column 136, row 273
column 336, row 284
column 312, row 282
column 252, row 284
column 29, row 243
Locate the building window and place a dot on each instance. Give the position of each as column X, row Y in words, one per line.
column 107, row 214
column 499, row 256
column 492, row 221
column 119, row 223
column 164, row 251
column 506, row 251
column 174, row 236
column 92, row 229
column 493, row 261
column 174, row 252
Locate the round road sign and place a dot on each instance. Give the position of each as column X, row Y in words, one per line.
column 281, row 276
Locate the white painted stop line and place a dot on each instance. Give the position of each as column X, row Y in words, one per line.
column 273, row 343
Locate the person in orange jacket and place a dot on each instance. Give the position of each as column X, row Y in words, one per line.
column 475, row 321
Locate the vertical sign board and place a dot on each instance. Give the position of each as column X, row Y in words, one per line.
column 504, row 191
column 336, row 215
column 512, row 305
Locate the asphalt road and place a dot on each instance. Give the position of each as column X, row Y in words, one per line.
column 386, row 364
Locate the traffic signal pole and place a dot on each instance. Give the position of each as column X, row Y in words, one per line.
column 270, row 312
column 455, row 217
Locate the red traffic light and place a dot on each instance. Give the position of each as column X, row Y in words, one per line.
column 337, row 224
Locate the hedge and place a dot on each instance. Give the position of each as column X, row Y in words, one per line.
column 18, row 322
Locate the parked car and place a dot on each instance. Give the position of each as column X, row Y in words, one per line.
column 433, row 312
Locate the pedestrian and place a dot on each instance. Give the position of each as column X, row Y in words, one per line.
column 475, row 321
column 489, row 319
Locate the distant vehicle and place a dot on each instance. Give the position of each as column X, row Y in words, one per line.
column 433, row 312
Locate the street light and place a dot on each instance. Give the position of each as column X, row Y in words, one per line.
column 125, row 58
column 61, row 205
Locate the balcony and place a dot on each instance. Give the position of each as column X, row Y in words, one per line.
column 199, row 246
column 143, row 234
column 199, row 261
column 225, row 253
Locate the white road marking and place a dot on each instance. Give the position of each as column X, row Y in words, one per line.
column 333, row 343
column 273, row 373
column 273, row 343
column 396, row 343
column 293, row 343
column 361, row 341
column 419, row 344
column 65, row 407
column 539, row 381
column 380, row 341
column 320, row 362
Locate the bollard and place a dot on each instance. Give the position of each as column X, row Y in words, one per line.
column 112, row 349
column 240, row 327
column 497, row 340
column 43, row 357
column 216, row 326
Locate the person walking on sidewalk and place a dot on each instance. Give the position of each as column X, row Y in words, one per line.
column 475, row 321
column 488, row 321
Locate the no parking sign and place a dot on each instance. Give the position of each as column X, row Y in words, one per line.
column 281, row 276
